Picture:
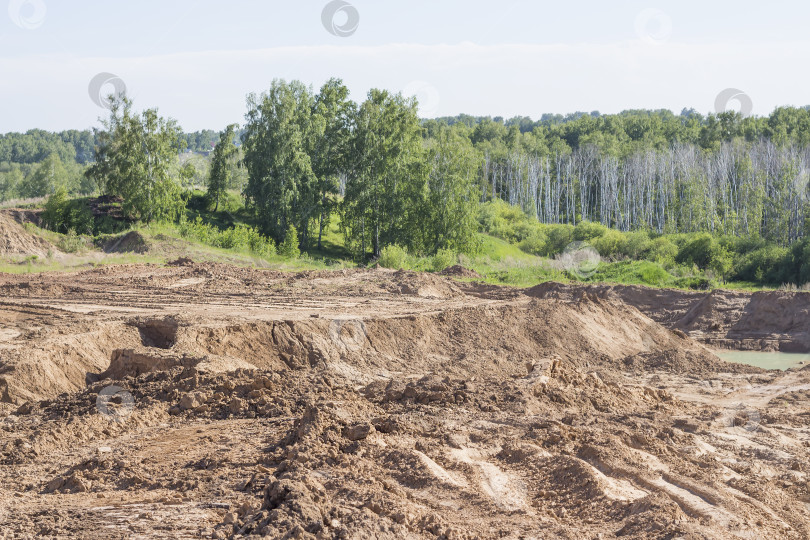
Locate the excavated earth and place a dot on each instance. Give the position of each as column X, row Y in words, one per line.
column 205, row 400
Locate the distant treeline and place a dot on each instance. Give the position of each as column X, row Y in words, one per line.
column 35, row 145
column 639, row 169
column 650, row 170
column 36, row 163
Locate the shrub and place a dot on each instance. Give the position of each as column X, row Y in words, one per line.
column 697, row 250
column 694, row 283
column 535, row 243
column 662, row 250
column 559, row 236
column 53, row 217
column 637, row 244
column 289, row 248
column 238, row 237
column 71, row 242
column 444, row 258
column 611, row 244
column 260, row 244
column 393, row 257
column 771, row 264
column 586, row 231
column 653, row 274
column 507, row 222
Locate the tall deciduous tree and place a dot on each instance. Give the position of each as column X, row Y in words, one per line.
column 221, row 167
column 387, row 159
column 281, row 182
column 134, row 159
column 450, row 204
column 333, row 117
column 46, row 178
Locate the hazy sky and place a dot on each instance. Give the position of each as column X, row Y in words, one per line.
column 197, row 60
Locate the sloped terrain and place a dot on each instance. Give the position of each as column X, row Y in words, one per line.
column 208, row 400
column 766, row 321
column 15, row 240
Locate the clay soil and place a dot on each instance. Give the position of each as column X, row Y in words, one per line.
column 212, row 401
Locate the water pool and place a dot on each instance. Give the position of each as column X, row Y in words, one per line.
column 765, row 360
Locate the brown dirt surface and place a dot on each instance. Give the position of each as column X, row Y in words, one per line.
column 207, row 400
column 24, row 215
column 131, row 242
column 761, row 321
column 460, row 271
column 15, row 240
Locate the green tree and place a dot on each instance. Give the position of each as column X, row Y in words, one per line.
column 10, row 180
column 697, row 250
column 333, row 117
column 387, row 162
column 722, row 262
column 281, row 182
column 450, row 205
column 45, row 179
column 53, row 217
column 187, row 173
column 220, row 177
column 134, row 157
column 289, row 247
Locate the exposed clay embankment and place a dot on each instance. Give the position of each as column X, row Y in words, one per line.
column 379, row 404
column 761, row 321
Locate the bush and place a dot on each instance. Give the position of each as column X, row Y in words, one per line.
column 662, row 250
column 697, row 250
column 259, row 244
column 71, row 242
column 444, row 258
column 637, row 244
column 771, row 264
column 289, row 248
column 507, row 222
column 694, row 283
column 559, row 236
column 535, row 243
column 586, row 231
column 393, row 257
column 611, row 244
column 653, row 274
column 53, row 217
column 62, row 214
column 238, row 237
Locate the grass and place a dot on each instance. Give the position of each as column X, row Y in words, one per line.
column 31, row 265
column 166, row 239
column 498, row 261
column 22, row 203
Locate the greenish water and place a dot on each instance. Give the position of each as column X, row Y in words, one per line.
column 765, row 360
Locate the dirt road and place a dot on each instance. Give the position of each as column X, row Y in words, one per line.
column 209, row 400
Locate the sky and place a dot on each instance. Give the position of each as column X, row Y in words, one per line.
column 196, row 61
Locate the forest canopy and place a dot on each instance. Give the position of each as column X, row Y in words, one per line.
column 305, row 157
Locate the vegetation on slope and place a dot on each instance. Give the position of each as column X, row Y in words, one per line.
column 666, row 200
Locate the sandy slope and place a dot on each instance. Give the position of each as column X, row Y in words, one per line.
column 379, row 404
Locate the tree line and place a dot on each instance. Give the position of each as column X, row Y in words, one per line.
column 303, row 158
column 741, row 188
column 309, row 157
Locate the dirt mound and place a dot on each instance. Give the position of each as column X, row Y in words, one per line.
column 15, row 240
column 692, row 361
column 460, row 271
column 24, row 215
column 217, row 402
column 762, row 321
column 131, row 242
column 587, row 329
column 182, row 261
column 423, row 284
